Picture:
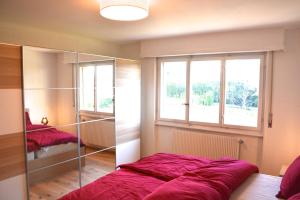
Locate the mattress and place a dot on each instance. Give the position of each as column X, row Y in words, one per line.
column 258, row 186
column 55, row 149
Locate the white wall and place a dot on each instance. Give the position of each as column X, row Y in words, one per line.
column 31, row 36
column 65, row 100
column 39, row 71
column 130, row 51
column 280, row 144
column 148, row 77
column 223, row 42
column 24, row 35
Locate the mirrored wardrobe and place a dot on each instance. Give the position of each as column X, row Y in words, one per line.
column 81, row 116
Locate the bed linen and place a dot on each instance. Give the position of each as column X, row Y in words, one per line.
column 258, row 186
column 121, row 184
column 215, row 181
column 167, row 166
column 295, row 197
column 175, row 177
column 32, row 146
column 45, row 136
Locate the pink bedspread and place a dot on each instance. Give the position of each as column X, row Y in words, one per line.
column 295, row 197
column 44, row 136
column 31, row 146
column 169, row 177
column 215, row 181
column 121, row 184
column 167, row 166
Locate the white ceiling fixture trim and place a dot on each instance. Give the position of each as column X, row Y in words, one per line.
column 124, row 10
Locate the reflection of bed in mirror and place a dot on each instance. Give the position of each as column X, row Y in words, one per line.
column 48, row 146
column 76, row 93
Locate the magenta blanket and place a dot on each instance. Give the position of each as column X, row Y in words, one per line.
column 44, row 136
column 216, row 181
column 32, row 146
column 295, row 197
column 167, row 166
column 121, row 184
column 169, row 177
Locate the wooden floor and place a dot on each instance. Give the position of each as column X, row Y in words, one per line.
column 96, row 166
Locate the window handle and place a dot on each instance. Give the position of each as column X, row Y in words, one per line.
column 185, row 104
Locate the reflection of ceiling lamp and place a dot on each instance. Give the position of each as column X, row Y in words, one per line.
column 124, row 10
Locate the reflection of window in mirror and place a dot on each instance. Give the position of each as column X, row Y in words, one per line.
column 96, row 87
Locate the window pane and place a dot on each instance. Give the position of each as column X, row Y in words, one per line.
column 87, row 88
column 242, row 92
column 205, row 91
column 173, row 90
column 105, row 88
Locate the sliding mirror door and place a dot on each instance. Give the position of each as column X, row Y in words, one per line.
column 50, row 105
column 128, row 110
column 70, row 103
column 96, row 75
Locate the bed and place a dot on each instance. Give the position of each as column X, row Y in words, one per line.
column 44, row 141
column 166, row 176
column 47, row 146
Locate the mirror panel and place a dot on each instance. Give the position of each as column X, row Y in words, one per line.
column 51, row 125
column 96, row 87
column 70, row 116
column 96, row 97
column 57, row 106
column 97, row 165
column 128, row 113
column 53, row 182
column 98, row 135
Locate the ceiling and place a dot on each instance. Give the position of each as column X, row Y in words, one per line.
column 167, row 17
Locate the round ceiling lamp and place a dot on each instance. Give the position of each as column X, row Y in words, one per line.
column 124, row 10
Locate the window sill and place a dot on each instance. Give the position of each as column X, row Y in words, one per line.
column 211, row 129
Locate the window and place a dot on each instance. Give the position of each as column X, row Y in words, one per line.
column 96, row 87
column 222, row 91
column 242, row 92
column 205, row 91
column 173, row 90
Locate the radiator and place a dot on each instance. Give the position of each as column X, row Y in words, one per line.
column 206, row 145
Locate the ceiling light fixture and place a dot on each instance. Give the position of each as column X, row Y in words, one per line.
column 124, row 10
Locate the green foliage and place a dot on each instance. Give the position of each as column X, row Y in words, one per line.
column 106, row 103
column 241, row 94
column 238, row 93
column 206, row 94
column 175, row 90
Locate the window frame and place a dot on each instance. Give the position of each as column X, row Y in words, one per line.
column 222, row 58
column 171, row 59
column 95, row 64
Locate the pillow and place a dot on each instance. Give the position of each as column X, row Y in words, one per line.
column 27, row 118
column 290, row 184
column 295, row 197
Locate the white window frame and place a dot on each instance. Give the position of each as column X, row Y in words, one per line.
column 95, row 112
column 205, row 125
